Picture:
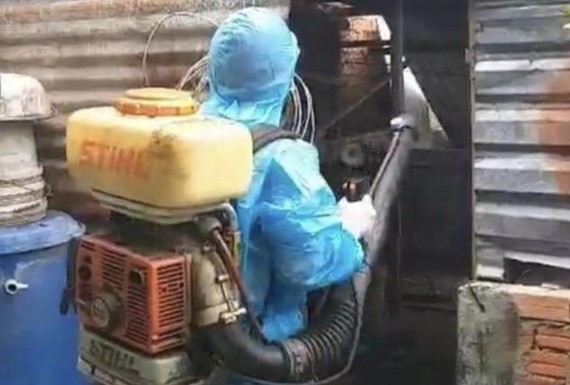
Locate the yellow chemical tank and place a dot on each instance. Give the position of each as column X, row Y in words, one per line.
column 152, row 151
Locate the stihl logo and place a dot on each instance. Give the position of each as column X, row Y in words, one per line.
column 121, row 160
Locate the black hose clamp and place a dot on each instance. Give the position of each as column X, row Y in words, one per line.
column 298, row 359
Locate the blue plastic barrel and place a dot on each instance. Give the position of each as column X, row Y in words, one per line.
column 38, row 346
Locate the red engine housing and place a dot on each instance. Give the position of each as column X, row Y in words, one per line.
column 139, row 300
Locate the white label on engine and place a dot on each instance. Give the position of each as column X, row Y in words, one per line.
column 123, row 367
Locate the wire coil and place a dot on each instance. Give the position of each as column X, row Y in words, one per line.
column 299, row 114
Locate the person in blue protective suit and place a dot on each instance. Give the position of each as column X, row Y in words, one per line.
column 296, row 237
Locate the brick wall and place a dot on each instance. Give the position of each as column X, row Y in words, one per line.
column 513, row 335
column 545, row 349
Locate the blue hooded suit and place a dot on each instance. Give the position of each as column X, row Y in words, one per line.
column 293, row 239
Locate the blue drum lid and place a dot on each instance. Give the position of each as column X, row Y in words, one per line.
column 55, row 229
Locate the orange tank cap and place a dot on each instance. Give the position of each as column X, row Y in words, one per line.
column 153, row 102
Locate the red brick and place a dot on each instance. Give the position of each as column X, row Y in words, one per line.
column 552, row 342
column 547, row 370
column 560, row 331
column 540, row 380
column 549, row 358
column 543, row 307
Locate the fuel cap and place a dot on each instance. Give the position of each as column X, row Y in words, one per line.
column 153, row 102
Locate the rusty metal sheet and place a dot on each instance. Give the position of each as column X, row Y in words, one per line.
column 87, row 52
column 521, row 133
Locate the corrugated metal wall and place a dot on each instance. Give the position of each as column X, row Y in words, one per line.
column 521, row 133
column 87, row 52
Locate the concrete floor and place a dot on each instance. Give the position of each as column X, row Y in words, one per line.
column 422, row 352
column 384, row 371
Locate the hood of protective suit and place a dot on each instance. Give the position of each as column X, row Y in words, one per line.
column 251, row 65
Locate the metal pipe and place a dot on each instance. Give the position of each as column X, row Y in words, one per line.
column 227, row 258
column 397, row 59
column 386, row 190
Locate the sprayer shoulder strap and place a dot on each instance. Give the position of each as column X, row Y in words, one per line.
column 265, row 135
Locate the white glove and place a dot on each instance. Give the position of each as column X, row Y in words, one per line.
column 357, row 217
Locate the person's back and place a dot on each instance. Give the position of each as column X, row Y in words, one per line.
column 294, row 240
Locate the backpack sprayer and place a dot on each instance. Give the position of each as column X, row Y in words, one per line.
column 158, row 295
